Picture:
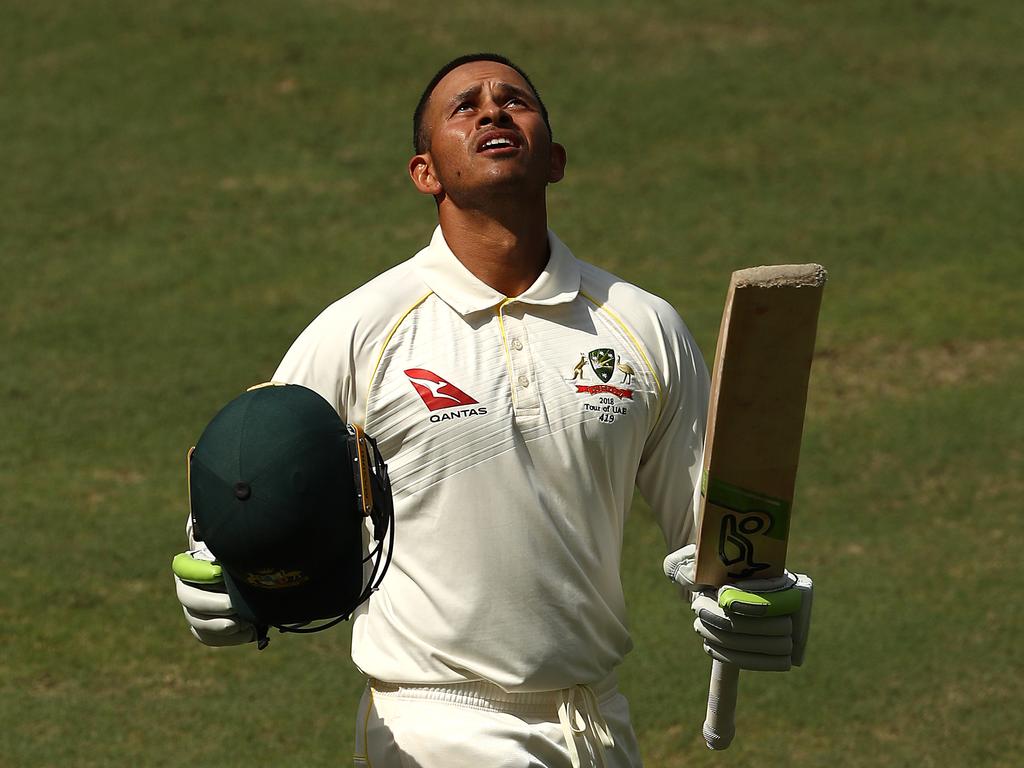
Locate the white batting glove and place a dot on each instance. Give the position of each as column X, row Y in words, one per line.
column 757, row 624
column 205, row 601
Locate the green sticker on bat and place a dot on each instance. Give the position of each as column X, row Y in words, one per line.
column 775, row 511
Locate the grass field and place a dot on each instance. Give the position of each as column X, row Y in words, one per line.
column 185, row 185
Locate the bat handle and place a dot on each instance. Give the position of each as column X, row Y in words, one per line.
column 720, row 723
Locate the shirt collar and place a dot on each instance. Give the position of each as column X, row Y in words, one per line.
column 446, row 276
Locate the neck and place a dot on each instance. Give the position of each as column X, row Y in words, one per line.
column 507, row 249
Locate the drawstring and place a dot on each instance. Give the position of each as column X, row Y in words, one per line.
column 579, row 715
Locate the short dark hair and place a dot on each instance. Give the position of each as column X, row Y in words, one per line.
column 420, row 140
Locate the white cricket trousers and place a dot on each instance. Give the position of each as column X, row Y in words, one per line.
column 479, row 725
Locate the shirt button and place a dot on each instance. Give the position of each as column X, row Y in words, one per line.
column 517, row 344
column 524, row 382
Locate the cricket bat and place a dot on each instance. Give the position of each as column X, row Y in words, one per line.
column 752, row 446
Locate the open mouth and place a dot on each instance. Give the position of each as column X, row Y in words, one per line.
column 498, row 143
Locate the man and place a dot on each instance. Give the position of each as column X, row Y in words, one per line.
column 495, row 636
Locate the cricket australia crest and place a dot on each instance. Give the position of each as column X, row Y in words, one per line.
column 603, row 362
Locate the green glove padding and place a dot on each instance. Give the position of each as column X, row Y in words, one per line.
column 739, row 601
column 188, row 568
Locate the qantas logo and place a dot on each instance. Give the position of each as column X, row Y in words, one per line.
column 437, row 393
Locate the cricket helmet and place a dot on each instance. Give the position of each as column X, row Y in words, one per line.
column 279, row 489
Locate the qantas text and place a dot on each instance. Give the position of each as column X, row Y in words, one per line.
column 447, row 415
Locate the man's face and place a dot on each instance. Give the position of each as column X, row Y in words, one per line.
column 487, row 132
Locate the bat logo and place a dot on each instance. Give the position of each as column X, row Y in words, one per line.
column 734, row 545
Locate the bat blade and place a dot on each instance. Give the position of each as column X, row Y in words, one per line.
column 752, row 446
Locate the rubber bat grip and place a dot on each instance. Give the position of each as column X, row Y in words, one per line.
column 720, row 723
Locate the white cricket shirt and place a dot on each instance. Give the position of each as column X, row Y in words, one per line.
column 514, row 431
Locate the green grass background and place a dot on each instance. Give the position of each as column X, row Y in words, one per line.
column 183, row 186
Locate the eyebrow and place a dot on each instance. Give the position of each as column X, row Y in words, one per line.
column 500, row 86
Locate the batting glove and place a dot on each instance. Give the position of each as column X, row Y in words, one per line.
column 758, row 624
column 204, row 599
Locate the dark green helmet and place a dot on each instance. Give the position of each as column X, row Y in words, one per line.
column 279, row 488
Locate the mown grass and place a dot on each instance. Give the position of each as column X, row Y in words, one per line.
column 185, row 185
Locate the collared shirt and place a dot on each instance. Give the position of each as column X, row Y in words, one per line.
column 515, row 430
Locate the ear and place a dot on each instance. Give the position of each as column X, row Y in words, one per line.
column 558, row 160
column 421, row 171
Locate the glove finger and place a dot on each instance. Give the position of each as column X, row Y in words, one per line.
column 770, row 626
column 679, row 566
column 757, row 662
column 217, row 640
column 212, row 601
column 712, row 614
column 772, row 646
column 220, row 625
column 802, row 619
column 785, row 581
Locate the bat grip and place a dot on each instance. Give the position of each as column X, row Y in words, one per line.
column 720, row 723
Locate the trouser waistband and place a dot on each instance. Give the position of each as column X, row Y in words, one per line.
column 480, row 694
column 577, row 708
